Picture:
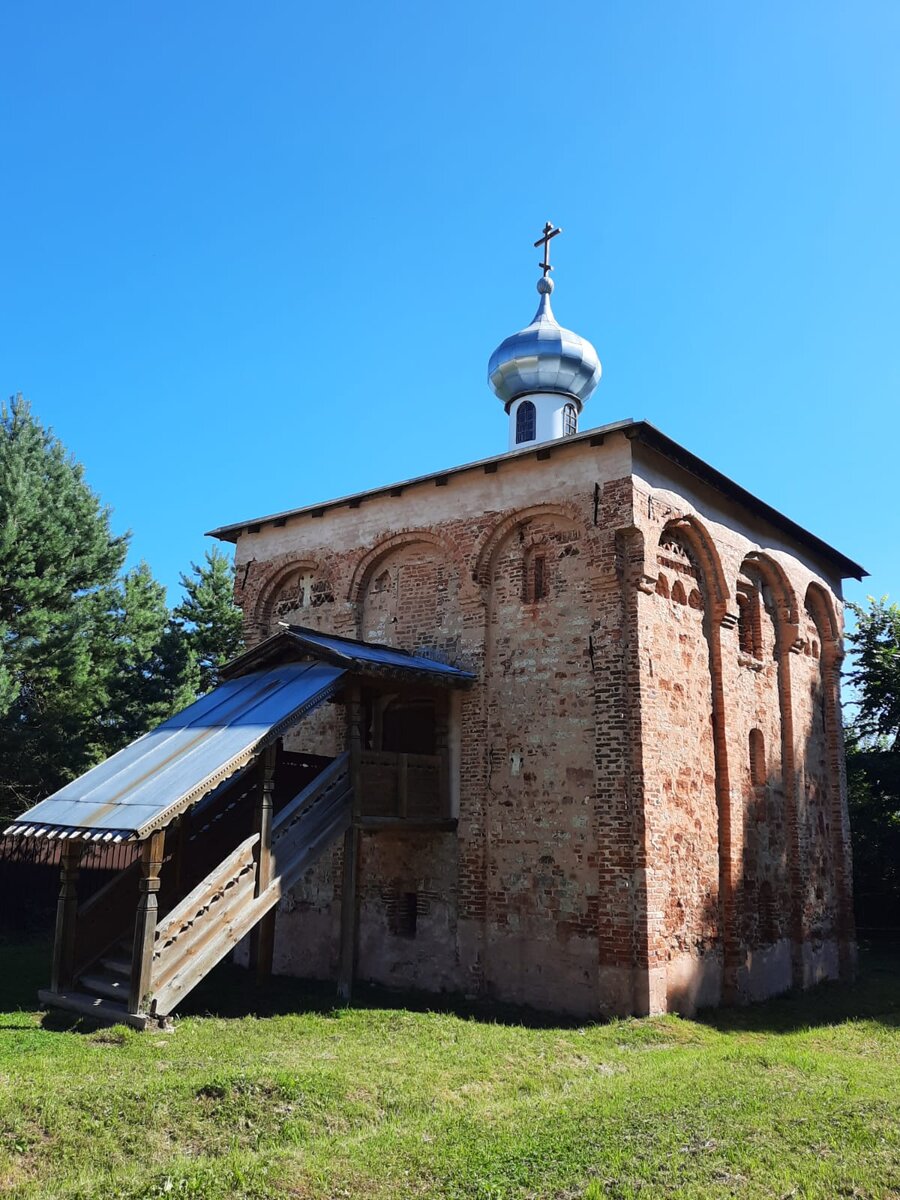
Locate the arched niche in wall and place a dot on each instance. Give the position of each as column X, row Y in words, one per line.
column 816, row 726
column 407, row 592
column 757, row 674
column 682, row 757
column 539, row 734
column 299, row 594
column 536, row 563
column 679, row 570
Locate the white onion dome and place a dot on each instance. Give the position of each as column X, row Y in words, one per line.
column 544, row 357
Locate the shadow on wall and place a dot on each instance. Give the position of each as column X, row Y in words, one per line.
column 778, row 915
column 771, row 901
column 875, row 997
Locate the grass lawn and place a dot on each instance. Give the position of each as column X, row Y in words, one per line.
column 799, row 1097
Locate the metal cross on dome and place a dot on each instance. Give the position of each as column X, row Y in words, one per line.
column 549, row 232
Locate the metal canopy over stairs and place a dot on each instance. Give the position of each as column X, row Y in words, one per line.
column 226, row 823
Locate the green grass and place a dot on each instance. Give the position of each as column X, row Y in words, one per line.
column 796, row 1098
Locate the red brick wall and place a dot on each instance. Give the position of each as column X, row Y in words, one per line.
column 614, row 852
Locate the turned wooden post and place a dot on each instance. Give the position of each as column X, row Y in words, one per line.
column 262, row 943
column 145, row 924
column 66, row 917
column 349, row 898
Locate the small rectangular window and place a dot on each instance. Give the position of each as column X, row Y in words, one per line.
column 407, row 914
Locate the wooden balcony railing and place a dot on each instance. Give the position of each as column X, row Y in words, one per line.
column 403, row 786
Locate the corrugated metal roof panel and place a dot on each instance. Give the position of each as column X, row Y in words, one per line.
column 357, row 652
column 143, row 786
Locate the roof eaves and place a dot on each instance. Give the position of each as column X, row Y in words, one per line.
column 655, row 439
column 230, row 533
column 643, row 431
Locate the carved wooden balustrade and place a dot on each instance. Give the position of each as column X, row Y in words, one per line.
column 229, row 902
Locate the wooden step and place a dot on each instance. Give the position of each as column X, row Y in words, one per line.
column 118, row 966
column 92, row 1006
column 105, row 985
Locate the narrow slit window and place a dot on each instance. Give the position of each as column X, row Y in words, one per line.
column 757, row 758
column 526, row 422
column 749, row 622
column 540, row 578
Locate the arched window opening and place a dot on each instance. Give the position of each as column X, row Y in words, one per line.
column 526, row 422
column 570, row 420
column 749, row 623
column 695, row 600
column 678, row 592
column 662, row 586
column 757, row 758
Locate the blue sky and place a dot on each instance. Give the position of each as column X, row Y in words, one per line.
column 258, row 256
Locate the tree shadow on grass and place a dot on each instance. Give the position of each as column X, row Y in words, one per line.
column 874, row 996
column 24, row 967
column 232, row 992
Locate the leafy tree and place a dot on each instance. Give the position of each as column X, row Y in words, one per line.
column 873, row 784
column 873, row 763
column 876, row 673
column 208, row 615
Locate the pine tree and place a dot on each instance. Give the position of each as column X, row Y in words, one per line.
column 57, row 555
column 90, row 660
column 149, row 667
column 208, row 615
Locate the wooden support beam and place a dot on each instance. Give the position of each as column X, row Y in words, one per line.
column 402, row 785
column 66, row 918
column 442, row 749
column 349, row 893
column 262, row 943
column 349, row 915
column 182, row 829
column 145, row 923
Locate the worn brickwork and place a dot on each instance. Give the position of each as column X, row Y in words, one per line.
column 647, row 786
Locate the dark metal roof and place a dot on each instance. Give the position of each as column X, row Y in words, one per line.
column 365, row 658
column 149, row 782
column 641, row 431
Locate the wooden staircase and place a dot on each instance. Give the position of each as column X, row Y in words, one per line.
column 202, row 927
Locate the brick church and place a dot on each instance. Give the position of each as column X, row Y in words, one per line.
column 638, row 803
column 559, row 728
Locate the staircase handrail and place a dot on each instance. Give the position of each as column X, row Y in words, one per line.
column 198, row 898
column 311, row 793
column 222, row 908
